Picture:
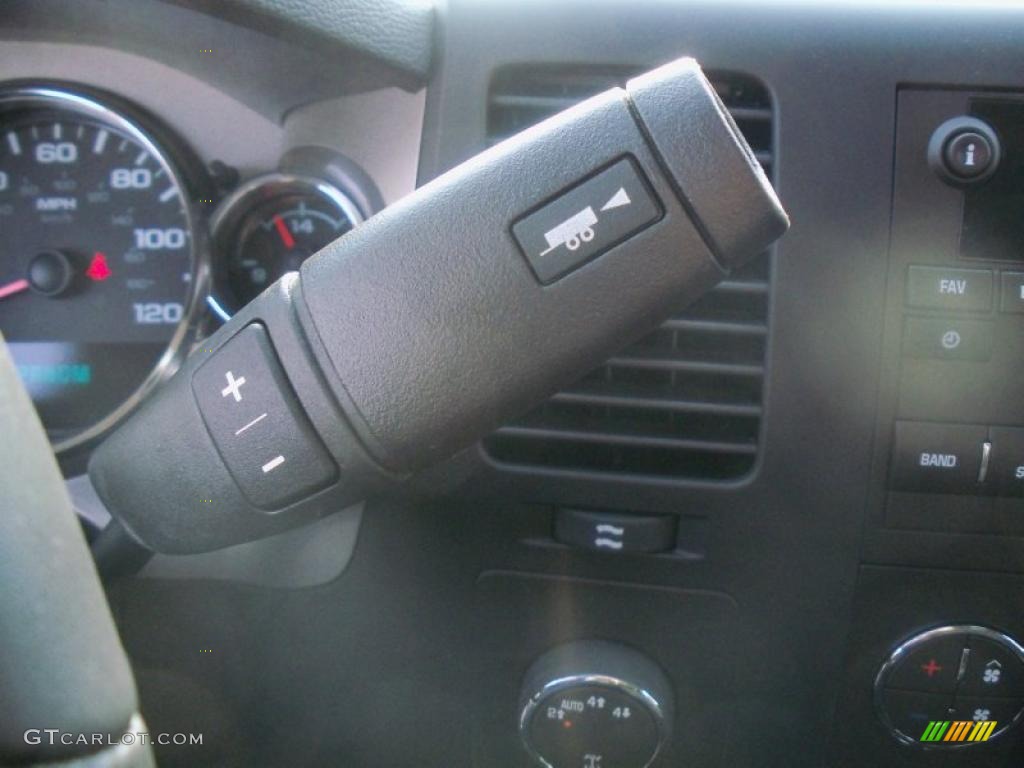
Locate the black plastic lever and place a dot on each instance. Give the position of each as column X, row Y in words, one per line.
column 455, row 309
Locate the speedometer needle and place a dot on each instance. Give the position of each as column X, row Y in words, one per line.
column 282, row 230
column 12, row 288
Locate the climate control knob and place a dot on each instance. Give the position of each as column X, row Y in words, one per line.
column 952, row 687
column 593, row 704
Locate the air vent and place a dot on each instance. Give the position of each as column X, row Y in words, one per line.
column 686, row 401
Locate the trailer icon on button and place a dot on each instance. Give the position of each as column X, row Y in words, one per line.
column 572, row 231
column 590, row 218
column 580, row 228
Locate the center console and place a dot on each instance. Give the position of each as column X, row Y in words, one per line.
column 934, row 673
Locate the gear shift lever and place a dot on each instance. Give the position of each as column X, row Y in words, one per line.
column 461, row 306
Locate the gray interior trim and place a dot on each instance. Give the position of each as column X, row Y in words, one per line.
column 397, row 32
column 379, row 131
column 304, row 557
column 261, row 68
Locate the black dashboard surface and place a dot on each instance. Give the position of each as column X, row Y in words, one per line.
column 789, row 581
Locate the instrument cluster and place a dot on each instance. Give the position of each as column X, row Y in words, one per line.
column 121, row 250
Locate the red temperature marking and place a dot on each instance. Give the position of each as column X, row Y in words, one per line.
column 282, row 230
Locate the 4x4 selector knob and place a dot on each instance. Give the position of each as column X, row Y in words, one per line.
column 593, row 704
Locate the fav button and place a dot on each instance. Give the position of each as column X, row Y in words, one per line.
column 953, row 289
column 932, row 667
column 937, row 458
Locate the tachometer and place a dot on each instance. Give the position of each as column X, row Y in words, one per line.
column 99, row 267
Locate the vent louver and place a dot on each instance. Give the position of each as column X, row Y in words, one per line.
column 686, row 401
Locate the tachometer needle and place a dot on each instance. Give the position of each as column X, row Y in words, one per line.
column 12, row 288
column 282, row 230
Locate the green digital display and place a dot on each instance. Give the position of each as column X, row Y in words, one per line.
column 56, row 374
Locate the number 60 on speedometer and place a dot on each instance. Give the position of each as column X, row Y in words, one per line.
column 99, row 269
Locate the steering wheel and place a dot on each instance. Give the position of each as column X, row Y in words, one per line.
column 67, row 695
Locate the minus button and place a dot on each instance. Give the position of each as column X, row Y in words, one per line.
column 273, row 464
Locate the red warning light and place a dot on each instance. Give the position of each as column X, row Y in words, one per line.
column 567, row 724
column 98, row 269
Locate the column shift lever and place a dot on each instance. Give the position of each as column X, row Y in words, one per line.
column 455, row 309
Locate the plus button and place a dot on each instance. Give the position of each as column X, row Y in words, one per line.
column 234, row 387
column 931, row 668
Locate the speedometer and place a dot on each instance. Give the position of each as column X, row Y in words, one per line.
column 98, row 259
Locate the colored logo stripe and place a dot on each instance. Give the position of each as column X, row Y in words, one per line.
column 982, row 731
column 959, row 730
column 935, row 730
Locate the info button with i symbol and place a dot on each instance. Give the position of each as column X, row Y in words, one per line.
column 969, row 154
column 964, row 151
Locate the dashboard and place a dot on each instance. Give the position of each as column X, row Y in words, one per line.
column 822, row 458
column 137, row 229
